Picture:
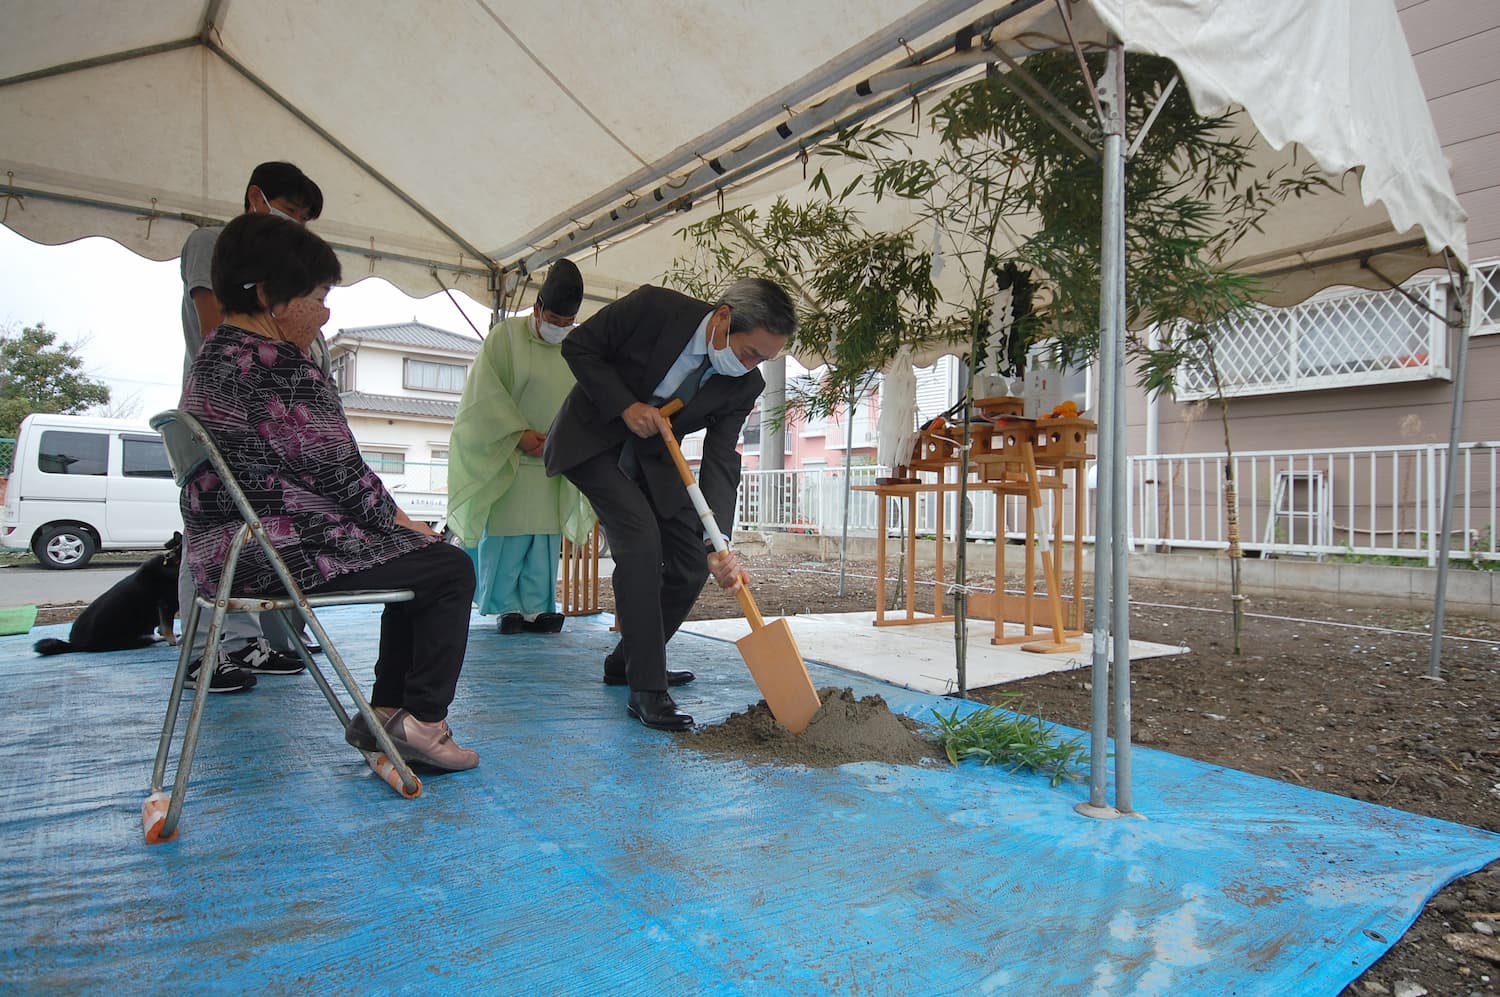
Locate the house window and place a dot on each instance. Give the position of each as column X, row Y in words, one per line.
column 385, row 461
column 440, row 470
column 1335, row 340
column 425, row 375
column 343, row 371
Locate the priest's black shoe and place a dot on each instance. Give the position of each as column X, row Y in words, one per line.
column 675, row 677
column 656, row 709
column 545, row 623
column 511, row 623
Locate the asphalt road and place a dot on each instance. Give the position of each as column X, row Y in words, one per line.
column 32, row 584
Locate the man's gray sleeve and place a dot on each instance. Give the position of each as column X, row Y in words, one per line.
column 197, row 272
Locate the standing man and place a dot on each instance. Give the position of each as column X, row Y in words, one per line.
column 504, row 509
column 274, row 189
column 636, row 354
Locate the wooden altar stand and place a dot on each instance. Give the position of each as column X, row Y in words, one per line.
column 579, row 576
column 908, row 493
column 1027, row 457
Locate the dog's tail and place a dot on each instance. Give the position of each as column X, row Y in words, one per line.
column 50, row 645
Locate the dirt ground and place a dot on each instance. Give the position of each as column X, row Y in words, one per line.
column 1321, row 695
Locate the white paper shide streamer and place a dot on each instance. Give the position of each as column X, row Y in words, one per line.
column 897, row 426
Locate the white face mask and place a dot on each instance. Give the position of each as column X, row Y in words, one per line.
column 274, row 210
column 550, row 333
column 724, row 361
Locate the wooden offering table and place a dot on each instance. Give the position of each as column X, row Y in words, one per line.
column 579, row 577
column 1027, row 457
column 908, row 492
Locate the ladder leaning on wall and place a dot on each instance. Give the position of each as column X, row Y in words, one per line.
column 1308, row 522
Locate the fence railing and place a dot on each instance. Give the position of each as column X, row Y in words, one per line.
column 1368, row 501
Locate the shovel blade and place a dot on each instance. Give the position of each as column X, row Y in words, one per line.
column 776, row 665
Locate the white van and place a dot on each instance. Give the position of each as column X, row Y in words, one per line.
column 79, row 485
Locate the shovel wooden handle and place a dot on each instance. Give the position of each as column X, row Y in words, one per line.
column 705, row 514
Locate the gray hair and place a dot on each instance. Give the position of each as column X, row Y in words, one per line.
column 756, row 303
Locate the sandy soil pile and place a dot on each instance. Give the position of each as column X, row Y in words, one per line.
column 843, row 730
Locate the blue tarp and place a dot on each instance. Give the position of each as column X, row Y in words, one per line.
column 588, row 855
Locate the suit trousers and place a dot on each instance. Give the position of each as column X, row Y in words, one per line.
column 660, row 566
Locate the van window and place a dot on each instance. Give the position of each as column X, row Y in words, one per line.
column 145, row 457
column 63, row 452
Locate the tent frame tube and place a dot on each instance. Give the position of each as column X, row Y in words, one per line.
column 852, row 60
column 772, row 146
column 350, row 154
column 1161, row 102
column 1075, row 129
column 203, row 220
column 1460, row 321
column 114, row 58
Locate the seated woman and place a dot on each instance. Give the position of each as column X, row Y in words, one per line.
column 278, row 421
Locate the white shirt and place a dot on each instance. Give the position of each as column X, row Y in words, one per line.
column 687, row 361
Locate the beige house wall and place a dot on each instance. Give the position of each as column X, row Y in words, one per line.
column 1456, row 46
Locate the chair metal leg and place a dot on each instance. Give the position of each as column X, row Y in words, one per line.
column 165, row 828
column 154, row 811
column 387, row 763
column 284, row 620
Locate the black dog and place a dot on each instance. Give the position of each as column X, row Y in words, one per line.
column 122, row 617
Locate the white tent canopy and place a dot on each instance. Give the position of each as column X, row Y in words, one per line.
column 459, row 138
column 467, row 142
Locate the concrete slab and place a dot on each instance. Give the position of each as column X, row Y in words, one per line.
column 919, row 657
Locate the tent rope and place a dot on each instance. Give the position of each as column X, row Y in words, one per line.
column 11, row 195
column 149, row 218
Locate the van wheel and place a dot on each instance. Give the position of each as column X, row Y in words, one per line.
column 63, row 546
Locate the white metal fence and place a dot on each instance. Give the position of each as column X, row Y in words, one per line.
column 1375, row 501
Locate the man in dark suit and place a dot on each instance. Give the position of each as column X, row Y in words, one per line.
column 636, row 354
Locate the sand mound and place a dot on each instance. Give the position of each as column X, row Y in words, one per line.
column 843, row 730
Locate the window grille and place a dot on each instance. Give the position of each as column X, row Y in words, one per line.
column 1487, row 297
column 1337, row 339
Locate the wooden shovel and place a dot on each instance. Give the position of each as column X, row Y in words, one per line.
column 769, row 649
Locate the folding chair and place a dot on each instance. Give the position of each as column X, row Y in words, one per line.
column 189, row 446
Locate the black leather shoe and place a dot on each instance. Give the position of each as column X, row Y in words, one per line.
column 511, row 623
column 545, row 623
column 675, row 677
column 656, row 710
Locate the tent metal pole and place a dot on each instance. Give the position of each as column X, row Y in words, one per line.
column 1460, row 319
column 1105, row 524
column 1113, row 87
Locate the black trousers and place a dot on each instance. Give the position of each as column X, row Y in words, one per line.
column 422, row 642
column 660, row 567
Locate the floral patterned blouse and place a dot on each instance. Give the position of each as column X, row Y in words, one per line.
column 278, row 422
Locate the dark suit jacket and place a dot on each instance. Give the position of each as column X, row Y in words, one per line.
column 619, row 356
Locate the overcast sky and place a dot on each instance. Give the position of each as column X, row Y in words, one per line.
column 122, row 311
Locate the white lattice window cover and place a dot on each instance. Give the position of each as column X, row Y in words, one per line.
column 1337, row 339
column 1487, row 297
